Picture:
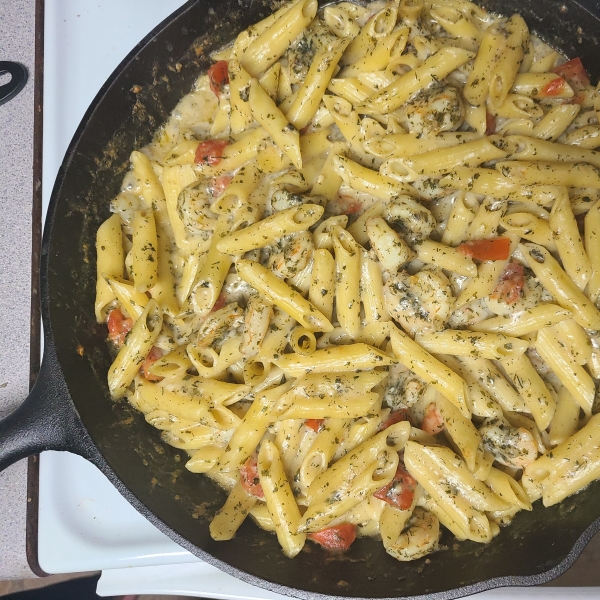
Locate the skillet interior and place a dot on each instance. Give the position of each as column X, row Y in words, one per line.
column 121, row 120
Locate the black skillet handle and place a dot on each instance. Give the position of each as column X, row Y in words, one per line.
column 47, row 419
column 18, row 80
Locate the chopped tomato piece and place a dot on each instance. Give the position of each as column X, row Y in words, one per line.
column 394, row 417
column 314, row 424
column 344, row 205
column 218, row 76
column 400, row 491
column 152, row 357
column 353, row 208
column 496, row 249
column 553, row 88
column 432, row 421
column 490, row 124
column 339, row 537
column 218, row 185
column 210, row 152
column 249, row 477
column 220, row 303
column 511, row 283
column 574, row 72
column 118, row 326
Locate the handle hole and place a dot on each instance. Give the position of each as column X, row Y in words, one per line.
column 13, row 77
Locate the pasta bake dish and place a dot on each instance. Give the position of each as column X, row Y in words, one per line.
column 355, row 275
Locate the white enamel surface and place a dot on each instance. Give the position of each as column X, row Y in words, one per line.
column 86, row 525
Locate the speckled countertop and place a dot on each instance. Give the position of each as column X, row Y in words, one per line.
column 17, row 43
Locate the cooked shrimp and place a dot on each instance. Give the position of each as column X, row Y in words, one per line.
column 419, row 538
column 403, row 389
column 235, row 289
column 283, row 199
column 435, row 109
column 347, row 203
column 193, row 206
column 220, row 324
column 469, row 314
column 291, row 253
column 421, row 302
column 432, row 422
column 409, row 218
column 511, row 446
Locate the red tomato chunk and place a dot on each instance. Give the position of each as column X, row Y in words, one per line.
column 574, row 72
column 496, row 249
column 218, row 185
column 210, row 152
column 353, row 208
column 394, row 417
column 249, row 477
column 218, row 76
column 339, row 537
column 152, row 357
column 220, row 303
column 511, row 283
column 314, row 424
column 553, row 88
column 118, row 326
column 400, row 491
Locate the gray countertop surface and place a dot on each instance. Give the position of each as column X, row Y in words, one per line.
column 17, row 43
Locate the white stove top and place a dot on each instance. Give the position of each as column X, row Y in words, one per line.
column 84, row 523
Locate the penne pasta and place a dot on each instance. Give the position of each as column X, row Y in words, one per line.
column 493, row 346
column 568, row 241
column 267, row 231
column 334, row 359
column 565, row 292
column 135, row 349
column 415, row 358
column 434, row 68
column 279, row 498
column 262, row 52
column 524, row 322
column 110, row 262
column 282, row 295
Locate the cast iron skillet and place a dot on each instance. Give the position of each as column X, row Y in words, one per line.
column 69, row 408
